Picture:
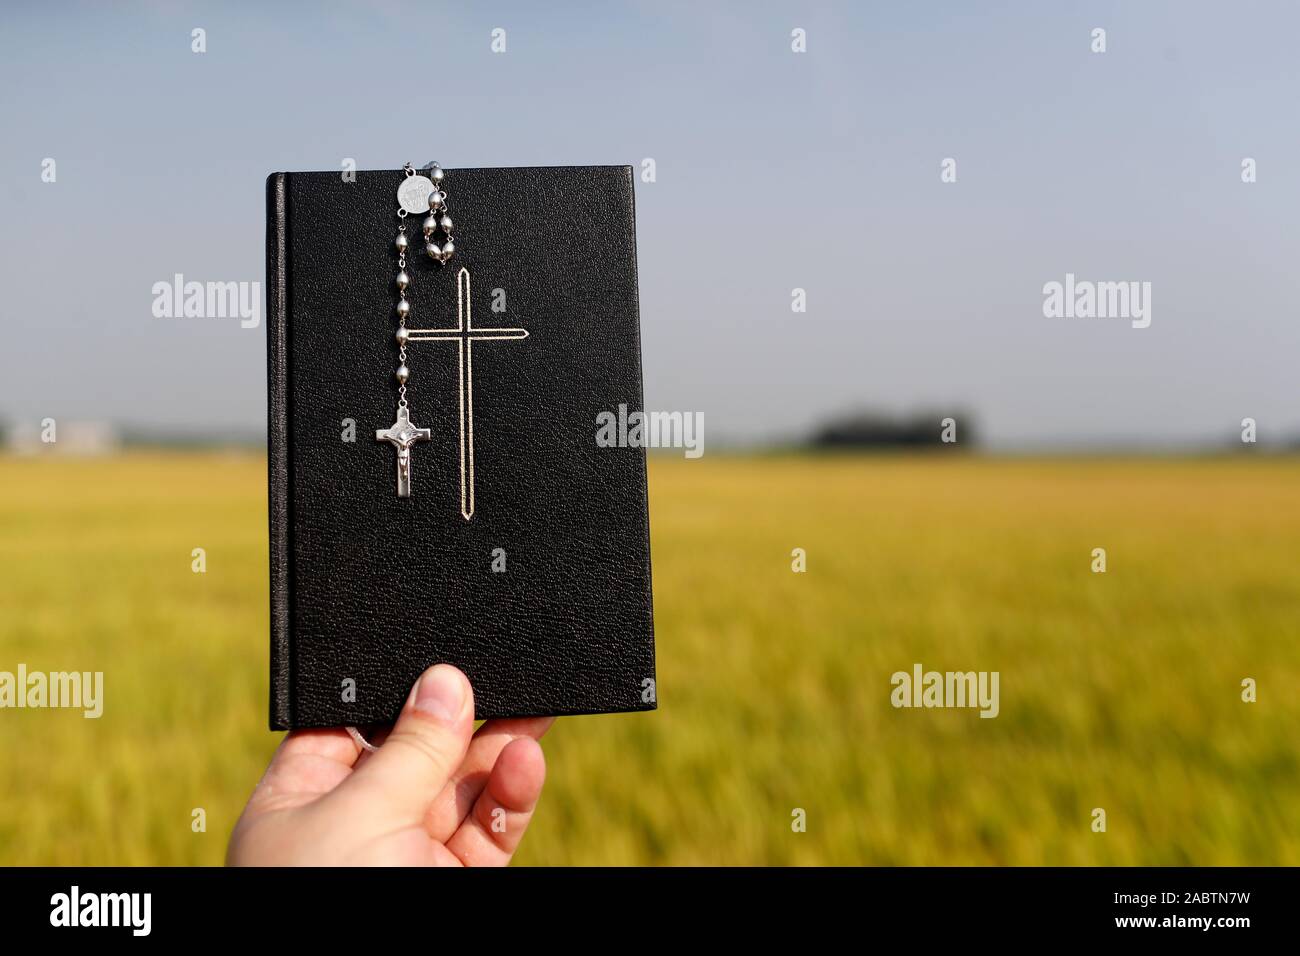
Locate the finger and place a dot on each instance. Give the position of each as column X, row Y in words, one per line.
column 454, row 802
column 306, row 765
column 492, row 831
column 332, row 743
column 425, row 747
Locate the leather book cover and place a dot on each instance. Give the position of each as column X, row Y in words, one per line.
column 522, row 553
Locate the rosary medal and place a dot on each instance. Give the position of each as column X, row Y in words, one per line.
column 413, row 194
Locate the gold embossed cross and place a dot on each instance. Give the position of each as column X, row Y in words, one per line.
column 465, row 335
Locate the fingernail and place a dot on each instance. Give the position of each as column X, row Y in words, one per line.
column 441, row 694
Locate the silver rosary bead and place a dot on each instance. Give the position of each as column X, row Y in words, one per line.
column 402, row 335
column 403, row 309
column 403, row 373
column 438, row 218
column 403, row 280
column 401, row 242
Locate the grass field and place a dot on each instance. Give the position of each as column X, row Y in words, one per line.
column 1119, row 690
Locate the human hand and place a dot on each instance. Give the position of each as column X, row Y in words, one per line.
column 431, row 795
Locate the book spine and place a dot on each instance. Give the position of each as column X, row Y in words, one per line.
column 277, row 443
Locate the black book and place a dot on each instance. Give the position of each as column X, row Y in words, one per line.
column 522, row 552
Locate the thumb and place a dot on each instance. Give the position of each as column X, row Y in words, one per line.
column 425, row 747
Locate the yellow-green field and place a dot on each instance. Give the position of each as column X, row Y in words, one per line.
column 1119, row 690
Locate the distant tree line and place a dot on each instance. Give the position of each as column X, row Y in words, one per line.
column 876, row 430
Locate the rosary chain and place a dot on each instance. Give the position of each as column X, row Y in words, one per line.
column 403, row 304
column 438, row 221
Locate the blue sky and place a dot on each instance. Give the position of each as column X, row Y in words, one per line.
column 775, row 170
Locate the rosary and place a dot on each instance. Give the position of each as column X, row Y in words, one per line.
column 420, row 194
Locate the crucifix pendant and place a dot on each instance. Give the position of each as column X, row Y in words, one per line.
column 402, row 435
